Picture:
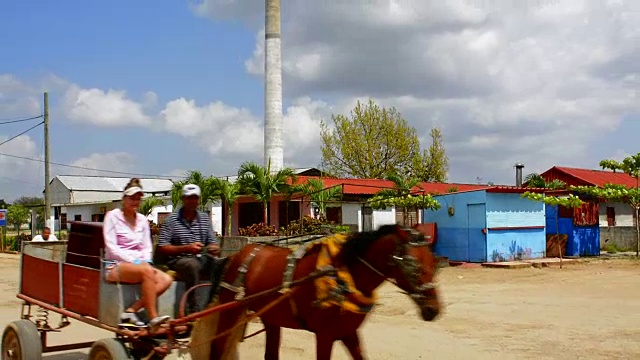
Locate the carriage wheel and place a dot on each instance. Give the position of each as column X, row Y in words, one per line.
column 21, row 340
column 108, row 349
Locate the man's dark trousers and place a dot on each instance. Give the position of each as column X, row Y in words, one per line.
column 190, row 270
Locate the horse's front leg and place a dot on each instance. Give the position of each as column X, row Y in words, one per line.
column 324, row 345
column 352, row 342
column 272, row 348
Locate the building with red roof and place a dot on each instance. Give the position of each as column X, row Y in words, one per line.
column 611, row 214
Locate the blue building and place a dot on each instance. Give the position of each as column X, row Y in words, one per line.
column 489, row 225
column 581, row 226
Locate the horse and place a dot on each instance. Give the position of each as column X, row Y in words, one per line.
column 392, row 253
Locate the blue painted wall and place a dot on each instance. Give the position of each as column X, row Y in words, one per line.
column 581, row 240
column 460, row 237
column 508, row 210
column 453, row 231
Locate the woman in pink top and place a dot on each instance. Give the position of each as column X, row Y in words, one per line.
column 128, row 254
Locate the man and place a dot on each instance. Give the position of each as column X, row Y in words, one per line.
column 46, row 236
column 188, row 244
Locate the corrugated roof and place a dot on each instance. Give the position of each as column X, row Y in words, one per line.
column 596, row 177
column 372, row 186
column 112, row 184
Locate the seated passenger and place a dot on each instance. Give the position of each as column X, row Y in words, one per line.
column 46, row 236
column 186, row 238
column 128, row 254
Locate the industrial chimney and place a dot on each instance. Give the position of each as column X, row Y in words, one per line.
column 273, row 131
column 519, row 167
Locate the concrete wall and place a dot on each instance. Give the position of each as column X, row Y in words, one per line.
column 624, row 214
column 510, row 235
column 384, row 217
column 623, row 237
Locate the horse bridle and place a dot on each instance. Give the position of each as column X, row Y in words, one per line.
column 408, row 265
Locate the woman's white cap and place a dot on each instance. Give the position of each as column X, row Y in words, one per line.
column 132, row 191
column 191, row 189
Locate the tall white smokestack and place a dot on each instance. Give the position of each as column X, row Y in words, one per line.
column 273, row 142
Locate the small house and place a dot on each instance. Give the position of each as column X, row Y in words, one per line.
column 489, row 225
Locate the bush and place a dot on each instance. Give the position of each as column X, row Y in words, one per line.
column 308, row 226
column 13, row 243
column 260, row 229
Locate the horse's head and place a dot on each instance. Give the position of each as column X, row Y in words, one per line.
column 404, row 256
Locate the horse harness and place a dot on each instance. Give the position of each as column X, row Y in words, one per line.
column 238, row 285
column 400, row 259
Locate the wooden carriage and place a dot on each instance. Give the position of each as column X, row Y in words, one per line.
column 66, row 277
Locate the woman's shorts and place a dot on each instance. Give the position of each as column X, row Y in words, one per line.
column 109, row 271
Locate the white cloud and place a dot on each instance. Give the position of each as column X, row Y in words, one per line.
column 115, row 161
column 20, row 176
column 105, row 108
column 516, row 81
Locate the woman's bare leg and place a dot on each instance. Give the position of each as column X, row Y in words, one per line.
column 143, row 274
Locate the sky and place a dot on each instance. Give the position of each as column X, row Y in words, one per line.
column 163, row 87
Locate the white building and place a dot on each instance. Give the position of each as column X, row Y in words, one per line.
column 88, row 198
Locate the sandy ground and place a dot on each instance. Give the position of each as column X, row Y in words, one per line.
column 583, row 311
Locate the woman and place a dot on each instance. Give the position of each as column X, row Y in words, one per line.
column 128, row 254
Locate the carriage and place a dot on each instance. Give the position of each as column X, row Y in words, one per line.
column 64, row 277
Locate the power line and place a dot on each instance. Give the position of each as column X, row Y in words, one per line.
column 11, row 121
column 93, row 169
column 22, row 133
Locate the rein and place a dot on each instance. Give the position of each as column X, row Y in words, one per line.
column 407, row 265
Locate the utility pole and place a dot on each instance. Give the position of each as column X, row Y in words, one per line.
column 47, row 197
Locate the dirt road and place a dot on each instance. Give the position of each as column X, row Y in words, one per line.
column 583, row 311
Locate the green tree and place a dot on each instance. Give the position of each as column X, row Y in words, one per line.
column 229, row 193
column 319, row 196
column 17, row 215
column 569, row 201
column 262, row 183
column 433, row 164
column 147, row 205
column 33, row 203
column 534, row 180
column 193, row 177
column 371, row 143
column 400, row 197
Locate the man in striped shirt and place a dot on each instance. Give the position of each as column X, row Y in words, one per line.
column 187, row 241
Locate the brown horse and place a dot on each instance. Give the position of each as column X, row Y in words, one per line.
column 391, row 253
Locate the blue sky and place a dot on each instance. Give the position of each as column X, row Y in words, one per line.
column 167, row 86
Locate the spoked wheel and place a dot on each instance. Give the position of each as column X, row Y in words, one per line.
column 108, row 349
column 21, row 341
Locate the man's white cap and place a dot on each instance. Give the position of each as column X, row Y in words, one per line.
column 191, row 189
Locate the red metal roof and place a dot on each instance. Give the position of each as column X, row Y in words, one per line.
column 372, row 186
column 588, row 177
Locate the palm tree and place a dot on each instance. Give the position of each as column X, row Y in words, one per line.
column 401, row 188
column 534, row 180
column 146, row 208
column 320, row 196
column 228, row 192
column 194, row 177
column 260, row 182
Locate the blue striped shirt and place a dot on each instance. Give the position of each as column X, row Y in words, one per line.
column 178, row 231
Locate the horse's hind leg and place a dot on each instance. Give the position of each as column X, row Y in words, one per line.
column 352, row 342
column 324, row 345
column 272, row 348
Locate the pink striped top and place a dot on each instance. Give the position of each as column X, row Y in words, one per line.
column 122, row 243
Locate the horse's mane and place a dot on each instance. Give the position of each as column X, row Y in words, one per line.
column 358, row 243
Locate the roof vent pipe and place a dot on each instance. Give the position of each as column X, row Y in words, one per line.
column 519, row 167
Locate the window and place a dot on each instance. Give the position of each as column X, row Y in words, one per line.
column 77, row 217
